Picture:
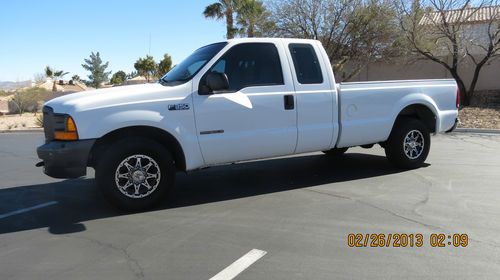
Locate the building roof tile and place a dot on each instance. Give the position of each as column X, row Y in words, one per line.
column 467, row 15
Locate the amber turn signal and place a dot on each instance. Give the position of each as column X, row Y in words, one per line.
column 70, row 132
column 70, row 125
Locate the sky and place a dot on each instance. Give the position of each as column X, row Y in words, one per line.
column 62, row 33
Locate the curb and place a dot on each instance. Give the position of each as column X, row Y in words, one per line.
column 477, row 130
column 21, row 130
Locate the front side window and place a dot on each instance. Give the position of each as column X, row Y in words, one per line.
column 250, row 64
column 185, row 70
column 306, row 64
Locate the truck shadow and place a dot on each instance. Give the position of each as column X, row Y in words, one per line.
column 79, row 201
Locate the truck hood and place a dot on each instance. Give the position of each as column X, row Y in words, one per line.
column 115, row 96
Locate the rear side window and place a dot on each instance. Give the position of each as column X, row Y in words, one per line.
column 306, row 64
column 251, row 64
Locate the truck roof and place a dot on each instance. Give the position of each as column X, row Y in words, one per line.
column 287, row 40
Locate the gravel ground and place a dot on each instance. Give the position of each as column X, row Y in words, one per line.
column 18, row 122
column 476, row 117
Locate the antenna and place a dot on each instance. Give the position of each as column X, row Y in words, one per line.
column 149, row 51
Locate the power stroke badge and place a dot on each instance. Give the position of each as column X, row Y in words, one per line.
column 178, row 107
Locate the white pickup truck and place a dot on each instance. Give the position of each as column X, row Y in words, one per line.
column 233, row 101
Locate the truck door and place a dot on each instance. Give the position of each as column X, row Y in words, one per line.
column 317, row 117
column 256, row 117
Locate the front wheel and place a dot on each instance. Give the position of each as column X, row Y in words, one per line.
column 409, row 144
column 135, row 173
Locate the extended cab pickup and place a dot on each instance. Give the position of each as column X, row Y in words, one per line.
column 233, row 101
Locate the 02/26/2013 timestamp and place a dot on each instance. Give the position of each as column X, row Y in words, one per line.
column 381, row 240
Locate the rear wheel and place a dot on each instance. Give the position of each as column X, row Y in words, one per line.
column 135, row 173
column 409, row 144
column 336, row 152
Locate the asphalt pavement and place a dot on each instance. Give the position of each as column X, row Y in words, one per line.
column 297, row 212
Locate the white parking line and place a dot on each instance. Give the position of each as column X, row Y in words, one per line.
column 239, row 265
column 24, row 210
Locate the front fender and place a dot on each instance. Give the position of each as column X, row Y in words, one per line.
column 94, row 125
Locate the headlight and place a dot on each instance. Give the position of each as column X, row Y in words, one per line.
column 65, row 128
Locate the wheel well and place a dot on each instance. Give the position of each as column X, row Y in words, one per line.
column 420, row 112
column 162, row 137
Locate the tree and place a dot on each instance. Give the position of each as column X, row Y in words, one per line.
column 27, row 100
column 54, row 75
column 118, row 78
column 39, row 78
column 97, row 69
column 132, row 75
column 448, row 39
column 146, row 67
column 253, row 18
column 165, row 65
column 223, row 9
column 19, row 99
column 353, row 32
column 76, row 78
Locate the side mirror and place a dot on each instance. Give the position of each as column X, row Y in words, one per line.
column 217, row 82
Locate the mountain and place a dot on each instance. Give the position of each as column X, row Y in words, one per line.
column 7, row 85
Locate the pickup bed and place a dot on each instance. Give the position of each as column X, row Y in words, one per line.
column 233, row 101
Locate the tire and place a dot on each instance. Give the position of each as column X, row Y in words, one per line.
column 135, row 173
column 418, row 142
column 336, row 152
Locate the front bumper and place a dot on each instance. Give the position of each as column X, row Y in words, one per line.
column 65, row 159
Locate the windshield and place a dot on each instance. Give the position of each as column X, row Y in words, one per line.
column 185, row 70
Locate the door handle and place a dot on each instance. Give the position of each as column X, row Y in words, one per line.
column 289, row 102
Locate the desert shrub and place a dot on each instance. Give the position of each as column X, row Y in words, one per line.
column 5, row 93
column 39, row 120
column 38, row 93
column 27, row 100
column 21, row 102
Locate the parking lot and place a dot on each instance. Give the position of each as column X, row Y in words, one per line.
column 299, row 210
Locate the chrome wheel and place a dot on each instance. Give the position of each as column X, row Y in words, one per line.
column 413, row 144
column 137, row 176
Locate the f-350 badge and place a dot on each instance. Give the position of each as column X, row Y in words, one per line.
column 177, row 107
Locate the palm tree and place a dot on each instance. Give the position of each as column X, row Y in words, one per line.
column 54, row 75
column 253, row 18
column 223, row 9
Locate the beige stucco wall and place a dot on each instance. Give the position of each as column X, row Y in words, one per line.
column 400, row 69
